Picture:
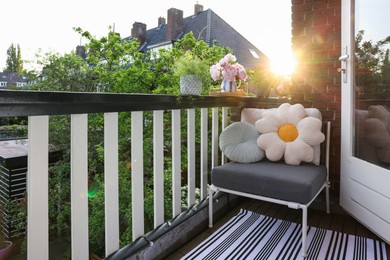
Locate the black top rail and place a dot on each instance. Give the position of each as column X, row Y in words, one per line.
column 34, row 103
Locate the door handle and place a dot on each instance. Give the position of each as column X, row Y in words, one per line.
column 344, row 57
column 343, row 69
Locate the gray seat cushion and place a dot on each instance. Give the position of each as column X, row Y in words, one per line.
column 272, row 179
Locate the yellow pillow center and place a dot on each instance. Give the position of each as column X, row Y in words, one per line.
column 288, row 132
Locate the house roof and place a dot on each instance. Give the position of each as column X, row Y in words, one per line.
column 12, row 78
column 208, row 26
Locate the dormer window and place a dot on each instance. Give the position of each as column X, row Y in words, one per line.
column 254, row 54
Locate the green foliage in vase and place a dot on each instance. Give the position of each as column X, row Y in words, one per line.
column 188, row 64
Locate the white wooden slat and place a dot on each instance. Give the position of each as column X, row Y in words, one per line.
column 203, row 152
column 223, row 126
column 37, row 188
column 191, row 157
column 158, row 166
column 176, row 162
column 225, row 112
column 214, row 137
column 111, row 180
column 79, row 186
column 137, row 174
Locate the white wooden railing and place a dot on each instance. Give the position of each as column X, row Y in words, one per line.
column 39, row 111
column 38, row 177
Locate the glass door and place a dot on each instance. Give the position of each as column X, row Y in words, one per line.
column 365, row 126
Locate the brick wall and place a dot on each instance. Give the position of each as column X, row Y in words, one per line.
column 316, row 39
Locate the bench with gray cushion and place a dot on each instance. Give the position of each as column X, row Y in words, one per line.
column 295, row 186
column 276, row 180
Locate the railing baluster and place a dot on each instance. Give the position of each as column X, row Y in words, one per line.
column 203, row 152
column 176, row 162
column 79, row 186
column 191, row 157
column 111, row 197
column 137, row 174
column 223, row 125
column 37, row 184
column 158, row 166
column 214, row 137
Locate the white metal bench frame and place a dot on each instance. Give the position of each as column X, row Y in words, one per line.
column 290, row 204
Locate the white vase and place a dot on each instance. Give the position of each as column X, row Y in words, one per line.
column 228, row 86
column 190, row 85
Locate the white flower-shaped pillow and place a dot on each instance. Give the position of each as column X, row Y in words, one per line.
column 238, row 143
column 289, row 133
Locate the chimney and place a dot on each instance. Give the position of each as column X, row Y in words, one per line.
column 161, row 21
column 139, row 31
column 198, row 8
column 80, row 50
column 175, row 24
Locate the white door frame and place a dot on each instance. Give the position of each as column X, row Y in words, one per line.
column 364, row 187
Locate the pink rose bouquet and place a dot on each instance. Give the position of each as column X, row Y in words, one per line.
column 229, row 69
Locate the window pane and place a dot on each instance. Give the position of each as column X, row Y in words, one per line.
column 372, row 81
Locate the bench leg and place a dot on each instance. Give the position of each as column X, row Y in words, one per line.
column 327, row 198
column 210, row 207
column 304, row 231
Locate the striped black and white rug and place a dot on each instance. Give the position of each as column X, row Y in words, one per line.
column 250, row 235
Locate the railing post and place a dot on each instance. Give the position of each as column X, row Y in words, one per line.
column 214, row 137
column 137, row 174
column 158, row 166
column 176, row 162
column 191, row 157
column 79, row 186
column 223, row 126
column 37, row 188
column 203, row 152
column 111, row 181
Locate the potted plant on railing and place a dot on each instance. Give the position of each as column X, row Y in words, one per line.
column 193, row 73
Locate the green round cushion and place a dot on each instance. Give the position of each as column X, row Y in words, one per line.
column 238, row 142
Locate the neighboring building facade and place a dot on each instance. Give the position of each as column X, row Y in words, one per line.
column 206, row 26
column 12, row 79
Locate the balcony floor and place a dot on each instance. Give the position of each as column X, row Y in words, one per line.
column 338, row 221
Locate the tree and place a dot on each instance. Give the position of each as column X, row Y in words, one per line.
column 118, row 65
column 19, row 61
column 386, row 71
column 65, row 73
column 371, row 65
column 14, row 61
column 122, row 68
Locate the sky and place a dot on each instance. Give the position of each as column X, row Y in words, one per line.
column 48, row 24
column 372, row 16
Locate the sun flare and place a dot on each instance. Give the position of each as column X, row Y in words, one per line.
column 283, row 64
